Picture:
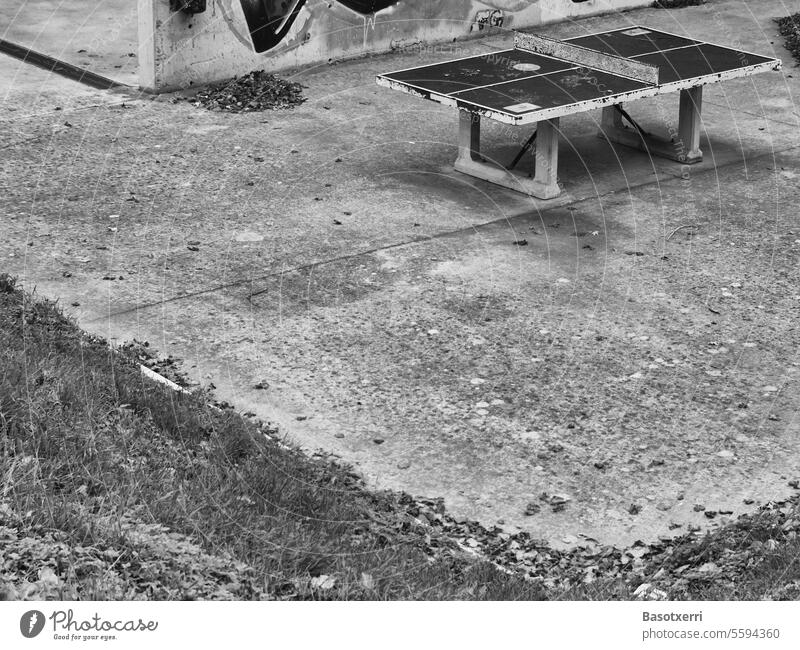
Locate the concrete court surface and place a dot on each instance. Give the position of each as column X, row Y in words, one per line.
column 100, row 36
column 638, row 354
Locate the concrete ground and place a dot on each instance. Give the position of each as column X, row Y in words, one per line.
column 638, row 354
column 96, row 36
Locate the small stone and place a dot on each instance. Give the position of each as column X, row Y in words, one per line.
column 558, row 502
column 708, row 567
column 638, row 552
column 338, row 435
column 725, row 453
column 698, row 507
column 477, row 381
column 378, row 441
column 634, row 509
column 403, row 464
column 710, row 513
column 664, row 505
column 482, row 405
column 531, row 509
column 770, row 389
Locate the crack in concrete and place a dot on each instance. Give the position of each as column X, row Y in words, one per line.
column 671, row 177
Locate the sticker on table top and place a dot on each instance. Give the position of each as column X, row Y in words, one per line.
column 636, row 32
column 521, row 108
column 527, row 67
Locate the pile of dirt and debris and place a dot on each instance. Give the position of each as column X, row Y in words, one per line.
column 789, row 28
column 256, row 91
column 677, row 4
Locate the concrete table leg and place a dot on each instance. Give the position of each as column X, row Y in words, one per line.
column 469, row 137
column 691, row 105
column 546, row 175
column 684, row 148
column 544, row 185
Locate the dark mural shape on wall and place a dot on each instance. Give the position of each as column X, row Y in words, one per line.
column 270, row 20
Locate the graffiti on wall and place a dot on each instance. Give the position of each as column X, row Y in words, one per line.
column 270, row 21
column 487, row 18
column 220, row 42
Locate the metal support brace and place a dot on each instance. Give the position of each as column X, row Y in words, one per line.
column 525, row 149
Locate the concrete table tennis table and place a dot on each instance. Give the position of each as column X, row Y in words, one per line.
column 541, row 80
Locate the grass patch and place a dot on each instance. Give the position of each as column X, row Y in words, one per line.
column 113, row 487
column 789, row 28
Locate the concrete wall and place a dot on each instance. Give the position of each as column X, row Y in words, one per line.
column 232, row 37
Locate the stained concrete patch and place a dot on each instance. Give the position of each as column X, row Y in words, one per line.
column 301, row 290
